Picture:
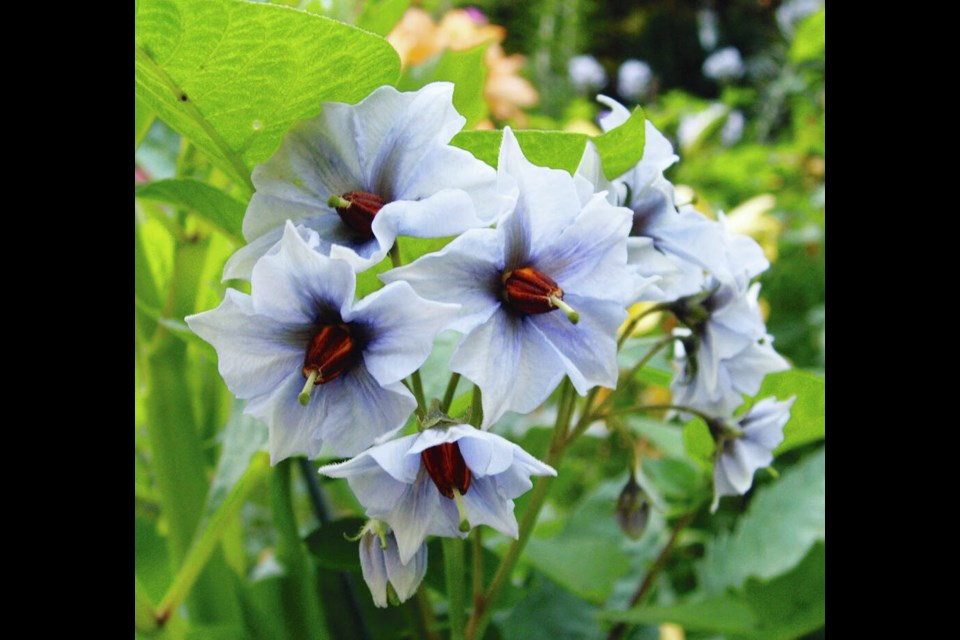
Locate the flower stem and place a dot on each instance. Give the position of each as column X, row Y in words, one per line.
column 628, row 330
column 617, row 632
column 476, row 407
column 597, row 415
column 425, row 615
column 482, row 610
column 477, row 565
column 453, row 566
column 451, row 390
column 418, row 394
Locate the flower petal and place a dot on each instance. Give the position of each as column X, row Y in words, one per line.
column 413, row 515
column 404, row 578
column 403, row 327
column 484, row 505
column 255, row 353
column 296, row 282
column 588, row 349
column 374, row 568
column 466, row 272
column 515, row 367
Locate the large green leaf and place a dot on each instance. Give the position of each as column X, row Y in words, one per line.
column 809, row 42
column 622, row 147
column 807, row 415
column 234, row 76
column 330, row 547
column 380, row 16
column 560, row 615
column 721, row 613
column 793, row 604
column 557, row 149
column 784, row 520
column 210, row 203
column 142, row 119
column 463, row 68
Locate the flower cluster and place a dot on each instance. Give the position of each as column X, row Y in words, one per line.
column 537, row 282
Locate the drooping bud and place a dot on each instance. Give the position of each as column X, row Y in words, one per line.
column 529, row 291
column 332, row 351
column 447, row 468
column 633, row 509
column 357, row 209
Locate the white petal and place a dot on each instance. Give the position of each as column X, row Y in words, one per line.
column 617, row 116
column 589, row 348
column 514, row 366
column 466, row 272
column 373, row 567
column 364, row 412
column 486, row 453
column 590, row 255
column 402, row 327
column 484, row 505
column 405, row 578
column 413, row 514
column 297, row 283
column 255, row 353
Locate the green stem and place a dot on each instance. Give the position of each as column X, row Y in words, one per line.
column 453, row 566
column 476, row 407
column 144, row 613
column 395, row 254
column 449, row 393
column 203, row 547
column 597, row 415
column 633, row 324
column 477, row 565
column 617, row 632
column 302, row 615
column 482, row 610
column 418, row 394
column 425, row 615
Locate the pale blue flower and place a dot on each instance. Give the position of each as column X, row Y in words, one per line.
column 746, row 444
column 301, row 321
column 381, row 566
column 733, row 128
column 441, row 482
column 389, row 156
column 517, row 350
column 586, row 73
column 633, row 79
column 724, row 64
column 725, row 352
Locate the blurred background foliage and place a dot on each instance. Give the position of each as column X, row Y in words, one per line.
column 738, row 87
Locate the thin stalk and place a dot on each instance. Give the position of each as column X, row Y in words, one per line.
column 617, row 632
column 450, row 392
column 204, row 545
column 453, row 566
column 303, row 616
column 633, row 324
column 418, row 394
column 425, row 614
column 477, row 565
column 476, row 407
column 650, row 407
column 482, row 610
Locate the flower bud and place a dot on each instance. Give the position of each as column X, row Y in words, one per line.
column 633, row 509
column 388, row 579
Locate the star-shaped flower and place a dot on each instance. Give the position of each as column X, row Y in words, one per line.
column 725, row 352
column 441, row 481
column 542, row 295
column 360, row 175
column 313, row 365
column 746, row 444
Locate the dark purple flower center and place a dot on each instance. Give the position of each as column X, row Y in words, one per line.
column 528, row 291
column 332, row 351
column 447, row 468
column 362, row 209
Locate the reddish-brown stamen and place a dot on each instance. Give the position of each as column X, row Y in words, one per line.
column 529, row 291
column 360, row 211
column 445, row 464
column 331, row 352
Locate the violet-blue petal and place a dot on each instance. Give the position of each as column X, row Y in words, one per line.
column 373, row 567
column 484, row 505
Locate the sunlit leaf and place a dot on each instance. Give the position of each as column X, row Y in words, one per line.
column 465, row 69
column 210, row 203
column 380, row 16
column 234, row 76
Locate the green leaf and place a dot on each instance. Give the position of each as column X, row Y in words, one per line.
column 380, row 16
column 793, row 604
column 723, row 614
column 331, row 549
column 142, row 119
column 807, row 415
column 809, row 42
column 676, row 479
column 210, row 203
column 557, row 149
column 559, row 616
column 621, row 148
column 234, row 76
column 144, row 615
column 784, row 520
column 465, row 69
column 699, row 443
column 666, row 437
